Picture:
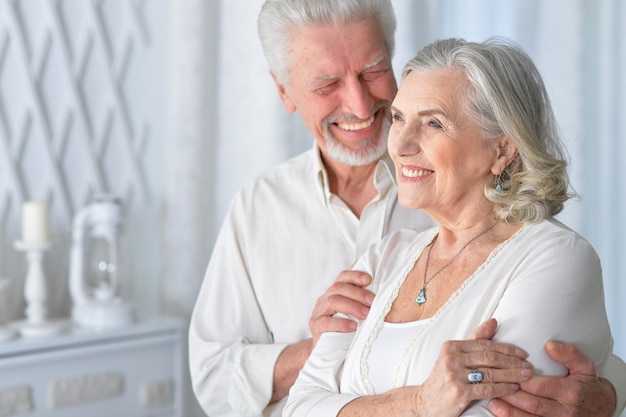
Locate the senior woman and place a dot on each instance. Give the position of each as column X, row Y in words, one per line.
column 475, row 145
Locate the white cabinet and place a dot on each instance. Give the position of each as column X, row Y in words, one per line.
column 126, row 372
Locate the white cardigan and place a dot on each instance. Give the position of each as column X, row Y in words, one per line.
column 544, row 283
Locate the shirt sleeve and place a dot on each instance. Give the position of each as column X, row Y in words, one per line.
column 316, row 392
column 556, row 294
column 231, row 354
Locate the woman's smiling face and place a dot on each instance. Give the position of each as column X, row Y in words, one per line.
column 442, row 156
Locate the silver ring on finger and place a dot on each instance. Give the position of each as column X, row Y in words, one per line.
column 475, row 376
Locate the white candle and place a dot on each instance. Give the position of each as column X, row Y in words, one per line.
column 35, row 222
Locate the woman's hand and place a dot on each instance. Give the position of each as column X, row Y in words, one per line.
column 448, row 391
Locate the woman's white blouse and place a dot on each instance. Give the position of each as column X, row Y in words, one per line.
column 387, row 349
column 544, row 283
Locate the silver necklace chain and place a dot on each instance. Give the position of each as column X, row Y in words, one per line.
column 421, row 297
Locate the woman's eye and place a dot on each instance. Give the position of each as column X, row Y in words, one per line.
column 434, row 123
column 395, row 117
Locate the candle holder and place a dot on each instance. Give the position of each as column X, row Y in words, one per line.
column 36, row 293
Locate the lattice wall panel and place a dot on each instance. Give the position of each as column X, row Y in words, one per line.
column 69, row 126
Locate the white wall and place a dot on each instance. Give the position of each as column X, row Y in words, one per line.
column 82, row 111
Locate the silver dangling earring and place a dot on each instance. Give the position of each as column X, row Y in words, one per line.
column 498, row 182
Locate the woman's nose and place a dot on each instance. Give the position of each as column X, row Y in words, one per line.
column 403, row 142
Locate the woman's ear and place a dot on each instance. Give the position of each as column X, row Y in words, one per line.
column 507, row 151
column 289, row 104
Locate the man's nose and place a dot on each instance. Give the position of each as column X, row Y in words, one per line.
column 358, row 99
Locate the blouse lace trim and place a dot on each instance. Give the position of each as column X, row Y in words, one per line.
column 381, row 318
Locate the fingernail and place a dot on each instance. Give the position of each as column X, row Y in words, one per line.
column 364, row 279
column 526, row 373
column 369, row 299
column 558, row 346
column 365, row 311
column 521, row 353
column 493, row 406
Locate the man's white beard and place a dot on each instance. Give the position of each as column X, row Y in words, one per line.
column 340, row 153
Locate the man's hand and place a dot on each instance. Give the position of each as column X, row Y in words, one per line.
column 579, row 394
column 288, row 366
column 345, row 296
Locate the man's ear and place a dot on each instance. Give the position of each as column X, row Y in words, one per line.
column 507, row 151
column 289, row 104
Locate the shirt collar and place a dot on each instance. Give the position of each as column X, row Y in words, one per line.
column 384, row 178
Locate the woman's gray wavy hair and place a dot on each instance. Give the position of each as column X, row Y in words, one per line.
column 279, row 17
column 507, row 96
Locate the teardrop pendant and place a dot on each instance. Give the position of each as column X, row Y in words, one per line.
column 421, row 297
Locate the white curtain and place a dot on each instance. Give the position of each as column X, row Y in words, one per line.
column 228, row 125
